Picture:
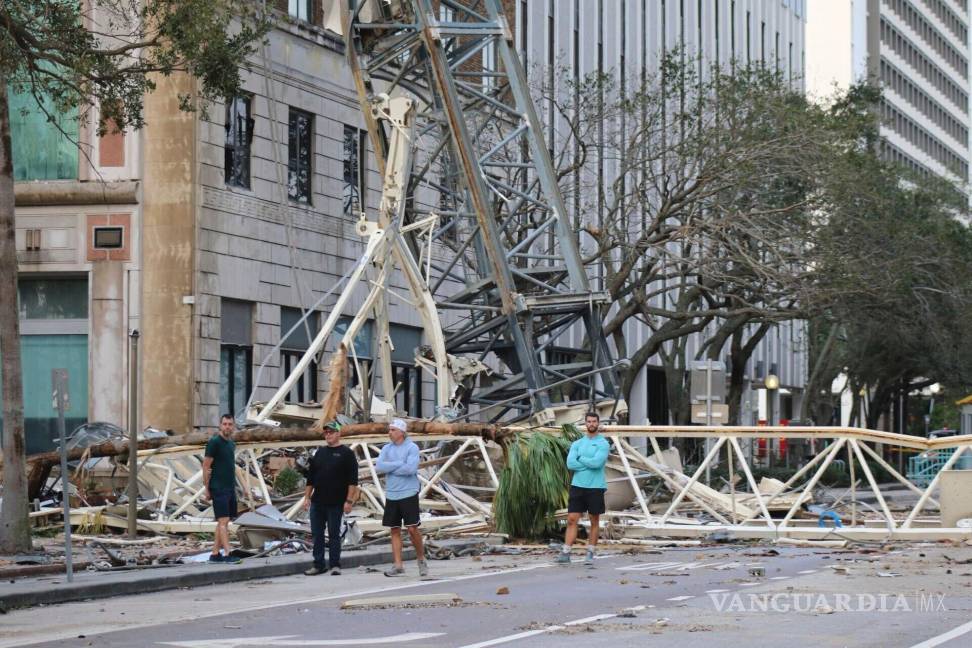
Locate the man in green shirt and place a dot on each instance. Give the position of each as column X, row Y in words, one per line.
column 219, row 477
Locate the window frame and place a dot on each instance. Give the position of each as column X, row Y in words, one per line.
column 356, row 168
column 235, row 150
column 296, row 162
column 294, row 9
column 230, row 404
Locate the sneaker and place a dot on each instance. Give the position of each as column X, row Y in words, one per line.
column 231, row 560
column 314, row 571
column 423, row 568
column 335, row 571
column 563, row 558
column 589, row 558
column 215, row 558
column 395, row 571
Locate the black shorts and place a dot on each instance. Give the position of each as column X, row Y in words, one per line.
column 224, row 503
column 403, row 512
column 582, row 499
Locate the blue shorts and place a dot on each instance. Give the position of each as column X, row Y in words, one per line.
column 224, row 503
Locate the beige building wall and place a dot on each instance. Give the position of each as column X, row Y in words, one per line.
column 168, row 241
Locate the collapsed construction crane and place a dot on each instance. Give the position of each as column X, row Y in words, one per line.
column 473, row 218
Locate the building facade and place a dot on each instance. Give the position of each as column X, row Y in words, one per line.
column 918, row 51
column 78, row 216
column 627, row 40
column 231, row 226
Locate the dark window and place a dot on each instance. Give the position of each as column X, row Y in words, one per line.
column 732, row 30
column 53, row 298
column 299, row 171
column 354, row 170
column 239, row 134
column 301, row 9
column 407, row 378
column 292, row 349
column 408, row 389
column 108, row 238
column 235, row 355
column 524, row 31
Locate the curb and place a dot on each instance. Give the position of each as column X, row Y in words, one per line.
column 98, row 585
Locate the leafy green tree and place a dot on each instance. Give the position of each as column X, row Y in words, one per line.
column 96, row 57
column 893, row 265
column 696, row 190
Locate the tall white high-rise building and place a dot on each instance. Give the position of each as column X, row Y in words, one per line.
column 918, row 50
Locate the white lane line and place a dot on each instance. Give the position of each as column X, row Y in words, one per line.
column 295, row 640
column 945, row 636
column 551, row 628
column 714, row 565
column 716, row 591
column 514, row 637
column 749, row 584
column 779, row 577
column 808, row 571
column 256, row 608
column 590, row 619
column 680, row 598
column 653, row 566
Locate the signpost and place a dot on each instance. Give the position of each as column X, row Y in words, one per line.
column 59, row 387
column 708, row 384
column 133, row 437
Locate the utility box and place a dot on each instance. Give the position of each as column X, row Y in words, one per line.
column 954, row 497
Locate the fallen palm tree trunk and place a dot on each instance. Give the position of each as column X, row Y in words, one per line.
column 270, row 435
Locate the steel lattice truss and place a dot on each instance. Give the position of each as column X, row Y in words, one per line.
column 507, row 273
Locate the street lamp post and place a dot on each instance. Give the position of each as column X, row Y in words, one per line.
column 933, row 390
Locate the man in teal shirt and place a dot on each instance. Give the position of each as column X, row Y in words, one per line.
column 586, row 459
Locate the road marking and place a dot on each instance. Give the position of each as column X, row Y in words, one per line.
column 779, row 577
column 716, row 591
column 946, row 636
column 264, row 606
column 590, row 619
column 290, row 640
column 749, row 584
column 515, row 637
column 808, row 571
column 551, row 628
column 678, row 566
column 680, row 598
column 652, row 566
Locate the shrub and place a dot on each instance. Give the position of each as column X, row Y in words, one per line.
column 287, row 481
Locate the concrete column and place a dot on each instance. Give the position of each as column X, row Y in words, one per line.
column 106, row 380
column 168, row 257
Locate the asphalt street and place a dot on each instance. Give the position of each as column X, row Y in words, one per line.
column 685, row 598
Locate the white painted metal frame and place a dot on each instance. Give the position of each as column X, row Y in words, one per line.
column 179, row 496
column 685, row 489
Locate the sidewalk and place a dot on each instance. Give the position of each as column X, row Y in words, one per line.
column 48, row 590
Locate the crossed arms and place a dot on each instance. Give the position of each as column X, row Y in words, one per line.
column 401, row 468
column 596, row 462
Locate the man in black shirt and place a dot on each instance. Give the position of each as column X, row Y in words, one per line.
column 332, row 488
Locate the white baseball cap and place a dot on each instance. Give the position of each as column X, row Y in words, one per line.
column 398, row 424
